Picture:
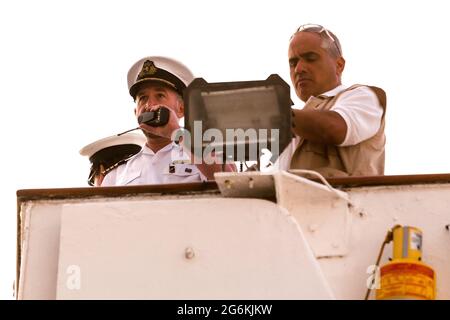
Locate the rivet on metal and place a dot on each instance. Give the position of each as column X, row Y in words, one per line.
column 189, row 253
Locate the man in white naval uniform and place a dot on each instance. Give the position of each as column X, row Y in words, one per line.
column 154, row 82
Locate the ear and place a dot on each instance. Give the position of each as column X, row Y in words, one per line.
column 180, row 109
column 340, row 65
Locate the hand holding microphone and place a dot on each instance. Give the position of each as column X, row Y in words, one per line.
column 156, row 118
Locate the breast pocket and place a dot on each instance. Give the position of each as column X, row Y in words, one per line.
column 319, row 156
column 319, row 149
column 179, row 173
column 314, row 155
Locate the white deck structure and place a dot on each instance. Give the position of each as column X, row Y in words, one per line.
column 250, row 236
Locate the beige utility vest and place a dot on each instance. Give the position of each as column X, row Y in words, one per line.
column 363, row 159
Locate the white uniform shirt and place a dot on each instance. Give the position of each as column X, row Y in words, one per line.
column 360, row 110
column 147, row 167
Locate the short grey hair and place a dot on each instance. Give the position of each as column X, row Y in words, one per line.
column 329, row 40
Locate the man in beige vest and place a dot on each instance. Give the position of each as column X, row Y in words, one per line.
column 340, row 130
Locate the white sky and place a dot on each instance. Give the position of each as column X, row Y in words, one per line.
column 63, row 75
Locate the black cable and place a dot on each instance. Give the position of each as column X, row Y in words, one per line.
column 127, row 131
column 387, row 239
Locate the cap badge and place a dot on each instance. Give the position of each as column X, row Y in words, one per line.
column 148, row 69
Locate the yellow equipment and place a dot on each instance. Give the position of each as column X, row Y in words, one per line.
column 406, row 276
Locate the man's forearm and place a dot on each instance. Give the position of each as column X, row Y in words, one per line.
column 326, row 127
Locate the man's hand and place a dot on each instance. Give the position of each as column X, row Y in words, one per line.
column 162, row 131
column 327, row 127
column 208, row 164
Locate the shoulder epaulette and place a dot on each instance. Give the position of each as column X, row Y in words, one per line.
column 117, row 164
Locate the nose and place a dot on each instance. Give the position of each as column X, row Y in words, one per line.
column 299, row 67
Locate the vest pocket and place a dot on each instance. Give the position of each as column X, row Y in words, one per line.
column 315, row 156
column 317, row 148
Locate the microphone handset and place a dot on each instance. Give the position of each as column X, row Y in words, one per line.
column 156, row 118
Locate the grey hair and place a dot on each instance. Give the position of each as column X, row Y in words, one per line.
column 333, row 48
column 180, row 97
